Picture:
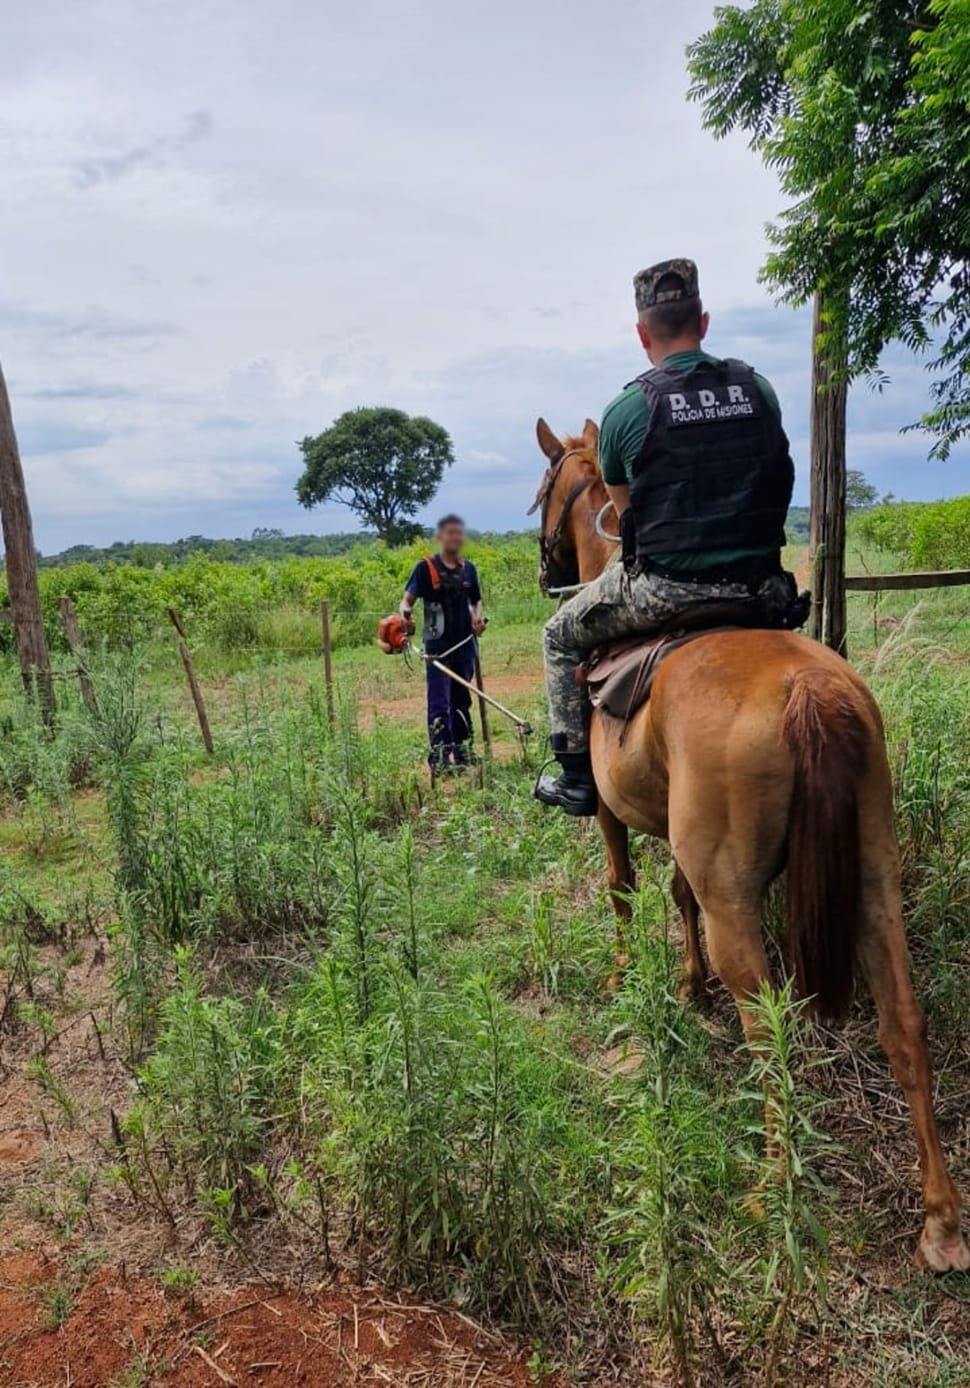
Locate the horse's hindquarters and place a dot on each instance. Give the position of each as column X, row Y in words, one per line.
column 706, row 753
column 631, row 773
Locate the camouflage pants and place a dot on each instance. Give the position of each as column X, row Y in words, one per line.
column 611, row 607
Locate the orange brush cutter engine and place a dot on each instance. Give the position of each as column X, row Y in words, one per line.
column 394, row 633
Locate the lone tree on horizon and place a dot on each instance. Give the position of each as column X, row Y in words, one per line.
column 860, row 495
column 382, row 463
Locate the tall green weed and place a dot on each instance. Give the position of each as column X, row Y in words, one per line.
column 931, row 535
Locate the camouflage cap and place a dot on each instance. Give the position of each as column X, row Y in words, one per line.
column 645, row 283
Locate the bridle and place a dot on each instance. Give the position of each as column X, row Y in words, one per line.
column 551, row 571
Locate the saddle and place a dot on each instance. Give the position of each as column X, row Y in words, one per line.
column 620, row 675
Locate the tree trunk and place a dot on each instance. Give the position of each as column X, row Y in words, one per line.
column 827, row 517
column 21, row 561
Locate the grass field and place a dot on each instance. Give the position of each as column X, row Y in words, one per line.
column 285, row 1016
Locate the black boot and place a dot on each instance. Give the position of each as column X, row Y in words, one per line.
column 574, row 790
column 464, row 756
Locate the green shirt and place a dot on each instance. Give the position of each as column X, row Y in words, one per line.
column 625, row 423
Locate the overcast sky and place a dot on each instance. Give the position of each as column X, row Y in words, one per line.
column 222, row 224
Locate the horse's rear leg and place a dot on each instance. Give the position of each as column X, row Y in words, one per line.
column 738, row 957
column 695, row 973
column 729, row 883
column 727, row 832
column 621, row 877
column 902, row 1031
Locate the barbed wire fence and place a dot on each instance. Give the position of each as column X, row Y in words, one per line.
column 265, row 632
column 322, row 636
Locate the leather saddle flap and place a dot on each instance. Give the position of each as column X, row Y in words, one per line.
column 620, row 675
column 620, row 680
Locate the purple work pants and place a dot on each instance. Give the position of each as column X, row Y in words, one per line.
column 449, row 708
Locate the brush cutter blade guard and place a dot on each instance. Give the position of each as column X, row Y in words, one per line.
column 394, row 633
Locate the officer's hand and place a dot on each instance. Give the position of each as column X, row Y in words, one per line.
column 479, row 624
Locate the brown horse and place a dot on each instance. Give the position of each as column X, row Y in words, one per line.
column 761, row 752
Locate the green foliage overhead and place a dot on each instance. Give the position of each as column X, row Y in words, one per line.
column 381, row 463
column 864, row 111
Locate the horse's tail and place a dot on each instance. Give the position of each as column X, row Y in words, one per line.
column 828, row 737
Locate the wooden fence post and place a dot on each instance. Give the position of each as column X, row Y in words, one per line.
column 328, row 663
column 190, row 674
column 827, row 515
column 73, row 633
column 21, row 562
column 482, row 706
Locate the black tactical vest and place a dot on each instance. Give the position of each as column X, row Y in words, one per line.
column 715, row 472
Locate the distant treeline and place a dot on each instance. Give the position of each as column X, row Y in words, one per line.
column 273, row 544
column 262, row 544
column 797, row 527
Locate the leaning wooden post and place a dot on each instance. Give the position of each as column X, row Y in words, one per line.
column 73, row 633
column 328, row 663
column 827, row 515
column 192, row 678
column 21, row 562
column 482, row 705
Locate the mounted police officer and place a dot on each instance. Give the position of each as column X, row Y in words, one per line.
column 698, row 467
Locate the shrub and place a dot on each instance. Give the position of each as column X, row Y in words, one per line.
column 236, row 605
column 931, row 535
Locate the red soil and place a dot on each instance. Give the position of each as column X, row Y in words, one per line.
column 248, row 1337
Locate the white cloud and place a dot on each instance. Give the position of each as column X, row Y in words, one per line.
column 155, row 153
column 221, row 225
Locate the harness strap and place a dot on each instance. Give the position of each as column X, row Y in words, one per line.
column 549, row 480
column 572, row 496
column 435, row 573
column 549, row 544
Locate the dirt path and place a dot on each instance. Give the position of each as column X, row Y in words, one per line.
column 121, row 1333
column 517, row 692
column 87, row 1293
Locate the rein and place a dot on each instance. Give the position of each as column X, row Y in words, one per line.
column 601, row 529
column 549, row 545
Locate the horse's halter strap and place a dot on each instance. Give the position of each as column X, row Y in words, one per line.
column 549, row 544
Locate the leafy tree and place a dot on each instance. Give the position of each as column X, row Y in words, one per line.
column 924, row 195
column 859, row 494
column 864, row 110
column 381, row 463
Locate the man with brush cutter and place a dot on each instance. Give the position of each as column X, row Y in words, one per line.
column 448, row 586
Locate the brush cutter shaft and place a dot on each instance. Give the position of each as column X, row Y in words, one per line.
column 519, row 722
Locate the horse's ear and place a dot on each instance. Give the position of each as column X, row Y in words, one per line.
column 548, row 442
column 591, row 433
